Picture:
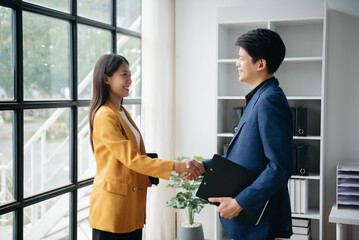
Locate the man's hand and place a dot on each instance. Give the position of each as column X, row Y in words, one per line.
column 190, row 163
column 193, row 168
column 228, row 208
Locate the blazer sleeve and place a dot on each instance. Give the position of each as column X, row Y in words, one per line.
column 108, row 132
column 276, row 134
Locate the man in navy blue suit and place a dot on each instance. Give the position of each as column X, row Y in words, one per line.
column 261, row 143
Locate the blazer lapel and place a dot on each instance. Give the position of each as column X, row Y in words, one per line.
column 130, row 135
column 249, row 108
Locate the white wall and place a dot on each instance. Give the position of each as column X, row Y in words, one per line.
column 342, row 132
column 196, row 54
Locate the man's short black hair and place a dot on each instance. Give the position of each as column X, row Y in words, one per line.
column 265, row 44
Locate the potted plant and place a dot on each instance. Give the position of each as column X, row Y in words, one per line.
column 187, row 200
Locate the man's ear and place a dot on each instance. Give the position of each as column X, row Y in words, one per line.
column 262, row 64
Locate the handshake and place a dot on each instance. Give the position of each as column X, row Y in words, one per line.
column 189, row 169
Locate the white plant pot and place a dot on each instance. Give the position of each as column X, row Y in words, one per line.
column 191, row 232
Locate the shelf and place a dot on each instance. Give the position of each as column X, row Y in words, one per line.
column 294, row 137
column 313, row 214
column 304, row 98
column 311, row 177
column 307, row 137
column 303, row 59
column 301, row 76
column 289, row 59
column 288, row 98
column 225, row 134
column 231, row 98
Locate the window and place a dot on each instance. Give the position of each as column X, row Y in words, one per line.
column 7, row 54
column 47, row 53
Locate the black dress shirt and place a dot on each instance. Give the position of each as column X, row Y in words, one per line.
column 251, row 93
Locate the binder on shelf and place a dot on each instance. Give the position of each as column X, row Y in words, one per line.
column 301, row 122
column 292, row 194
column 297, row 202
column 225, row 178
column 347, row 193
column 303, row 195
column 302, row 160
column 295, row 171
column 237, row 113
column 294, row 115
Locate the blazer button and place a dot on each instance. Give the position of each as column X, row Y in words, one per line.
column 134, row 188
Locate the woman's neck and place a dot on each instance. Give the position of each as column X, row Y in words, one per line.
column 116, row 101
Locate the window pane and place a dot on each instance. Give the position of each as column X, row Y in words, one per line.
column 61, row 5
column 86, row 159
column 83, row 204
column 135, row 111
column 6, row 55
column 47, row 220
column 92, row 44
column 99, row 10
column 129, row 14
column 6, row 226
column 6, row 157
column 46, row 149
column 46, row 58
column 130, row 48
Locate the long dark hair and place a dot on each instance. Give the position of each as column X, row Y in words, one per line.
column 107, row 64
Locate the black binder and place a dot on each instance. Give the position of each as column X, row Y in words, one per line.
column 302, row 160
column 225, row 178
column 294, row 115
column 153, row 180
column 237, row 113
column 301, row 122
column 294, row 148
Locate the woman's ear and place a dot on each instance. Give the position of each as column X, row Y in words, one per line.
column 105, row 78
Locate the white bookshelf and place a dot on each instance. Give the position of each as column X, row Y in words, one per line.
column 301, row 76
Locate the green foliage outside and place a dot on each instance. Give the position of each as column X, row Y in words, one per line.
column 6, row 54
column 186, row 199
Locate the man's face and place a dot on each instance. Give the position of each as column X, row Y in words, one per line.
column 246, row 68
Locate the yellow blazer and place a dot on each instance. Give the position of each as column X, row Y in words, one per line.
column 118, row 197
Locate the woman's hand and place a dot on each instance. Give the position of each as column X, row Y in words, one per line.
column 191, row 166
column 149, row 184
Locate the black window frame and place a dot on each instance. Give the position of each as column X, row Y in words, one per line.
column 18, row 106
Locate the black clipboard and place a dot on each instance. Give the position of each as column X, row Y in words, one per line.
column 225, row 178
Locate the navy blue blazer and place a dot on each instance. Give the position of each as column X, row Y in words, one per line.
column 263, row 143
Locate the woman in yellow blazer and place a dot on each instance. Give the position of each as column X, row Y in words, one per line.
column 118, row 197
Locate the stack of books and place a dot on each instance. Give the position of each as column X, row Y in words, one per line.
column 301, row 229
column 298, row 193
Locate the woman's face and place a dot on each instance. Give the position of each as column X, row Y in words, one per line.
column 120, row 81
